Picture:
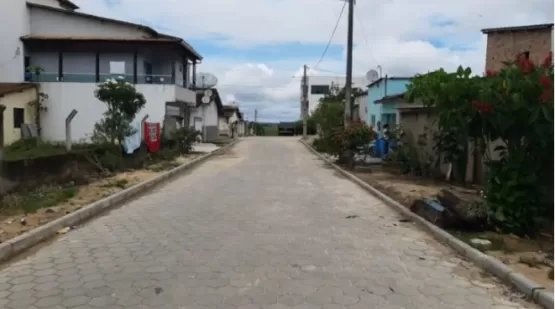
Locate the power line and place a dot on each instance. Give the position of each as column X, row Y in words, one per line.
column 331, row 37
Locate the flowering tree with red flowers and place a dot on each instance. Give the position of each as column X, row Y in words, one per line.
column 515, row 105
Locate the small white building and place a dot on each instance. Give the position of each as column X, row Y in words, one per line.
column 76, row 51
column 360, row 107
column 205, row 117
column 319, row 86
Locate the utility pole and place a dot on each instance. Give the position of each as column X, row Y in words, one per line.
column 255, row 122
column 349, row 77
column 304, row 101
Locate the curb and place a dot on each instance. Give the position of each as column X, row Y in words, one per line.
column 28, row 239
column 532, row 290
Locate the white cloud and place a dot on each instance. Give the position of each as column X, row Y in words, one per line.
column 395, row 34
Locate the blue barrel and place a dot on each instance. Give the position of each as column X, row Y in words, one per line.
column 380, row 147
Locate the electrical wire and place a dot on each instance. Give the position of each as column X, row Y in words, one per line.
column 331, row 37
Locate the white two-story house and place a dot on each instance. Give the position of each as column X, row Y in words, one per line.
column 76, row 51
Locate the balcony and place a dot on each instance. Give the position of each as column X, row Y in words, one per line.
column 179, row 92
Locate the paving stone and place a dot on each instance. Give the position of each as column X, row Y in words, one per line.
column 260, row 227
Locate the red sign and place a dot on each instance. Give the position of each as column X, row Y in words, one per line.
column 152, row 136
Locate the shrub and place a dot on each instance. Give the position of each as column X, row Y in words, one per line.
column 185, row 138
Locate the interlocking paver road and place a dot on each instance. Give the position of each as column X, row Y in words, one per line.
column 261, row 227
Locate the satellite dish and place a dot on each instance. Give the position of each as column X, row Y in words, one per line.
column 208, row 93
column 205, row 100
column 372, row 76
column 206, row 80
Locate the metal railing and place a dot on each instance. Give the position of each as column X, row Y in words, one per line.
column 157, row 79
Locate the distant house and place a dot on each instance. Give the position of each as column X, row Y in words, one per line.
column 320, row 86
column 360, row 107
column 76, row 51
column 15, row 110
column 232, row 123
column 205, row 116
column 504, row 44
column 383, row 96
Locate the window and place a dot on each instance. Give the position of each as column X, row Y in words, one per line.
column 117, row 67
column 319, row 89
column 373, row 121
column 390, row 119
column 18, row 117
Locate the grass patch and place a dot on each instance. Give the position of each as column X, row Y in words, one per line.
column 44, row 197
column 32, row 148
column 163, row 166
column 119, row 183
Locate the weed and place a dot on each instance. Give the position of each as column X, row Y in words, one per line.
column 44, row 197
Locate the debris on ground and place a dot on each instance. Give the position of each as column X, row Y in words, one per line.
column 64, row 230
column 481, row 244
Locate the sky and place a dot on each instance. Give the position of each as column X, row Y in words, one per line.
column 256, row 48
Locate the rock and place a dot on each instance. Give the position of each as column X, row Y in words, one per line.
column 64, row 230
column 49, row 210
column 468, row 209
column 480, row 243
column 23, row 221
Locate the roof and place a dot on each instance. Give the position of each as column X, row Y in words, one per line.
column 68, row 4
column 7, row 88
column 91, row 38
column 365, row 92
column 390, row 98
column 377, row 81
column 147, row 29
column 519, row 28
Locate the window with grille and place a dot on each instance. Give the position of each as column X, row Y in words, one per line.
column 319, row 89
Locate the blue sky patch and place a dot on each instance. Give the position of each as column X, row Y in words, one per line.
column 218, row 48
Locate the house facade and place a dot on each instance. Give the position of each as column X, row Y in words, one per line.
column 504, row 44
column 76, row 51
column 15, row 110
column 383, row 96
column 319, row 86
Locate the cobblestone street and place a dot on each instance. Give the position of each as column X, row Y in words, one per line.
column 263, row 226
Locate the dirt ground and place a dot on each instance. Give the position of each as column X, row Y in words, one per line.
column 532, row 258
column 11, row 225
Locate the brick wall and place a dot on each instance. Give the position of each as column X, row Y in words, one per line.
column 504, row 46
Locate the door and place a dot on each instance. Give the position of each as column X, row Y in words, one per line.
column 198, row 126
column 148, row 72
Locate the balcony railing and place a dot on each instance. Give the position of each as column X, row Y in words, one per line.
column 92, row 78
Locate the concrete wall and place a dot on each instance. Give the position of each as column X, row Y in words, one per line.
column 504, row 46
column 17, row 100
column 63, row 97
column 223, row 126
column 45, row 22
column 15, row 18
column 209, row 115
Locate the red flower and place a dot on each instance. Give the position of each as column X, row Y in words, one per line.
column 546, row 82
column 548, row 61
column 525, row 65
column 490, row 73
column 546, row 95
column 482, row 107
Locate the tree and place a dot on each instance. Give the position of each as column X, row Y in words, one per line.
column 449, row 96
column 123, row 102
column 38, row 103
